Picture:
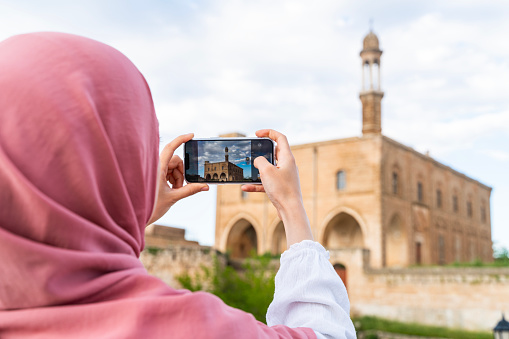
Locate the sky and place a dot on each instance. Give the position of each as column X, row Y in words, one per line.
column 237, row 66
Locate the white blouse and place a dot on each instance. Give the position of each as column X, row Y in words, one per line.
column 309, row 293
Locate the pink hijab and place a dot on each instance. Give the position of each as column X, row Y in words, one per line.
column 78, row 163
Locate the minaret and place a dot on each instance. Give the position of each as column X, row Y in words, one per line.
column 226, row 154
column 371, row 95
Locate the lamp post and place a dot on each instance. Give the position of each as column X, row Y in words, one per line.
column 501, row 331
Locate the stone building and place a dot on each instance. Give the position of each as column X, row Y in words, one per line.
column 158, row 236
column 369, row 192
column 223, row 171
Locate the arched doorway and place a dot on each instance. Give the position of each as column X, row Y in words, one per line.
column 208, row 177
column 215, row 177
column 343, row 231
column 396, row 249
column 242, row 241
column 279, row 239
column 341, row 271
column 222, row 177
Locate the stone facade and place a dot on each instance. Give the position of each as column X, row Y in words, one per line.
column 369, row 192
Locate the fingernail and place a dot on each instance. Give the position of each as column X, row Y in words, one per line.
column 206, row 188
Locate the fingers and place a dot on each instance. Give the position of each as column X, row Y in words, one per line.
column 262, row 164
column 178, row 179
column 188, row 190
column 283, row 147
column 252, row 188
column 169, row 149
column 175, row 172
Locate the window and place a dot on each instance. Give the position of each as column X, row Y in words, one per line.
column 483, row 214
column 419, row 192
column 455, row 203
column 469, row 209
column 394, row 183
column 341, row 180
column 439, row 198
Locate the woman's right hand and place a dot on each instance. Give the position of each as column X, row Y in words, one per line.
column 281, row 183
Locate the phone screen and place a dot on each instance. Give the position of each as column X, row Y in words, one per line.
column 225, row 160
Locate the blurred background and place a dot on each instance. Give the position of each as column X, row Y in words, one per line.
column 217, row 67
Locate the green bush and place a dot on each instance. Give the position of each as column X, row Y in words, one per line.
column 501, row 256
column 250, row 289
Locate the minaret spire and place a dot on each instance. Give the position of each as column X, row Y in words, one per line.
column 371, row 94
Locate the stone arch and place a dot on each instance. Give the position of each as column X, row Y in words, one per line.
column 278, row 243
column 396, row 248
column 242, row 240
column 343, row 231
column 215, row 176
column 222, row 177
column 240, row 222
column 208, row 177
column 328, row 222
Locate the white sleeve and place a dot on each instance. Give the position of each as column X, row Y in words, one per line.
column 309, row 293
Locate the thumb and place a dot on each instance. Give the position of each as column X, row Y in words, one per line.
column 262, row 164
column 188, row 190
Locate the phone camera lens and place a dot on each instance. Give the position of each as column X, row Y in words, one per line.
column 259, row 144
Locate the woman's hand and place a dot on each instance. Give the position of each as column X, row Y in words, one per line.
column 281, row 183
column 171, row 169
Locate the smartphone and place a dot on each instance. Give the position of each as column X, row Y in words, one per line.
column 226, row 160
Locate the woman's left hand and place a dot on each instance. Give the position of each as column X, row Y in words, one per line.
column 171, row 169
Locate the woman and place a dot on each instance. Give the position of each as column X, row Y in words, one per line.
column 80, row 180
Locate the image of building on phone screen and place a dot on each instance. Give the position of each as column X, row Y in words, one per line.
column 225, row 161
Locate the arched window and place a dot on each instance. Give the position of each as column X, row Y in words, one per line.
column 455, row 203
column 439, row 198
column 469, row 209
column 395, row 188
column 420, row 195
column 483, row 212
column 341, row 180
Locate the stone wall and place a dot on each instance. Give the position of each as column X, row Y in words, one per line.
column 467, row 298
column 173, row 261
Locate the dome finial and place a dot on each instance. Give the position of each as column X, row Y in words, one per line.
column 371, row 20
